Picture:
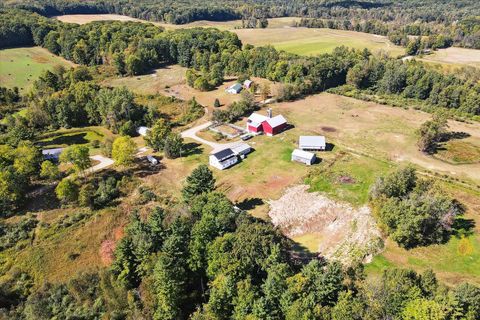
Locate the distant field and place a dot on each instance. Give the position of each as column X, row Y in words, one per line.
column 222, row 25
column 311, row 41
column 151, row 83
column 455, row 56
column 20, row 67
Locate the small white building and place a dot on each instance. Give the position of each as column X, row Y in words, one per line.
column 303, row 156
column 247, row 83
column 235, row 88
column 152, row 160
column 142, row 130
column 223, row 159
column 312, row 143
column 241, row 149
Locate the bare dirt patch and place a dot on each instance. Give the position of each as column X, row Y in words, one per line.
column 346, row 234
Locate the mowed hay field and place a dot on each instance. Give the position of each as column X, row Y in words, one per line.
column 20, row 67
column 454, row 56
column 312, row 41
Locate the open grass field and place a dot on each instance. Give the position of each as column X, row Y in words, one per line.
column 313, row 41
column 20, row 67
column 151, row 83
column 454, row 57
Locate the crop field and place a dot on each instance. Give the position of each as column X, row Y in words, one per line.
column 20, row 67
column 313, row 41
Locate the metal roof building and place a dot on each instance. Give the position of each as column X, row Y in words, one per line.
column 312, row 143
column 303, row 156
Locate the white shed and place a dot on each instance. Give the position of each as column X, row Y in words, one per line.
column 241, row 149
column 312, row 143
column 303, row 156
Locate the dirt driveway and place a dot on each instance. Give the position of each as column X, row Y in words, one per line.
column 192, row 134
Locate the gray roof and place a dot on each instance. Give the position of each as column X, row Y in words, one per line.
column 224, row 154
column 236, row 87
column 306, row 142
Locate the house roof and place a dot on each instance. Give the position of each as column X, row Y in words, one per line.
column 241, row 147
column 247, row 82
column 276, row 121
column 224, row 154
column 55, row 151
column 306, row 142
column 303, row 154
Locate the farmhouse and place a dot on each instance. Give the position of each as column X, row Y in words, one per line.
column 257, row 123
column 311, row 143
column 303, row 156
column 223, row 159
column 52, row 154
column 235, row 88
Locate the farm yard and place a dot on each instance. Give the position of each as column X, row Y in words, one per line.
column 20, row 67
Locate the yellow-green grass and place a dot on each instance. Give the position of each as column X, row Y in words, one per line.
column 151, row 83
column 347, row 177
column 458, row 152
column 313, row 41
column 20, row 67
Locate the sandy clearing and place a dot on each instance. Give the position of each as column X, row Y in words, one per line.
column 347, row 234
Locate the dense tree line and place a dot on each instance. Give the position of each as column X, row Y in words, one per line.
column 208, row 260
column 413, row 211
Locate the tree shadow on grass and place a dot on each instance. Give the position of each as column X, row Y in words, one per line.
column 191, row 148
column 250, row 203
column 463, row 227
column 78, row 138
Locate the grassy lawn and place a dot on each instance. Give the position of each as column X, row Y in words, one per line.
column 313, row 41
column 20, row 67
column 347, row 177
column 454, row 57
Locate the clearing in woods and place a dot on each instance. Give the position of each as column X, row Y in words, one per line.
column 452, row 56
column 312, row 41
column 20, row 67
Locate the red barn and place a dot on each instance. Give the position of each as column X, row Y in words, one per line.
column 271, row 126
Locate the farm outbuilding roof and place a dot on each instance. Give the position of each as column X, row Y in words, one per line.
column 303, row 154
column 311, row 142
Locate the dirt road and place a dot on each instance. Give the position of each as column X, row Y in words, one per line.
column 104, row 163
column 192, row 134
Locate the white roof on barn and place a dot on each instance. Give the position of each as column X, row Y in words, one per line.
column 276, row 121
column 257, row 118
column 142, row 130
column 303, row 154
column 311, row 142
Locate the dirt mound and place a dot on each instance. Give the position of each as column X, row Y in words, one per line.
column 328, row 129
column 347, row 234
